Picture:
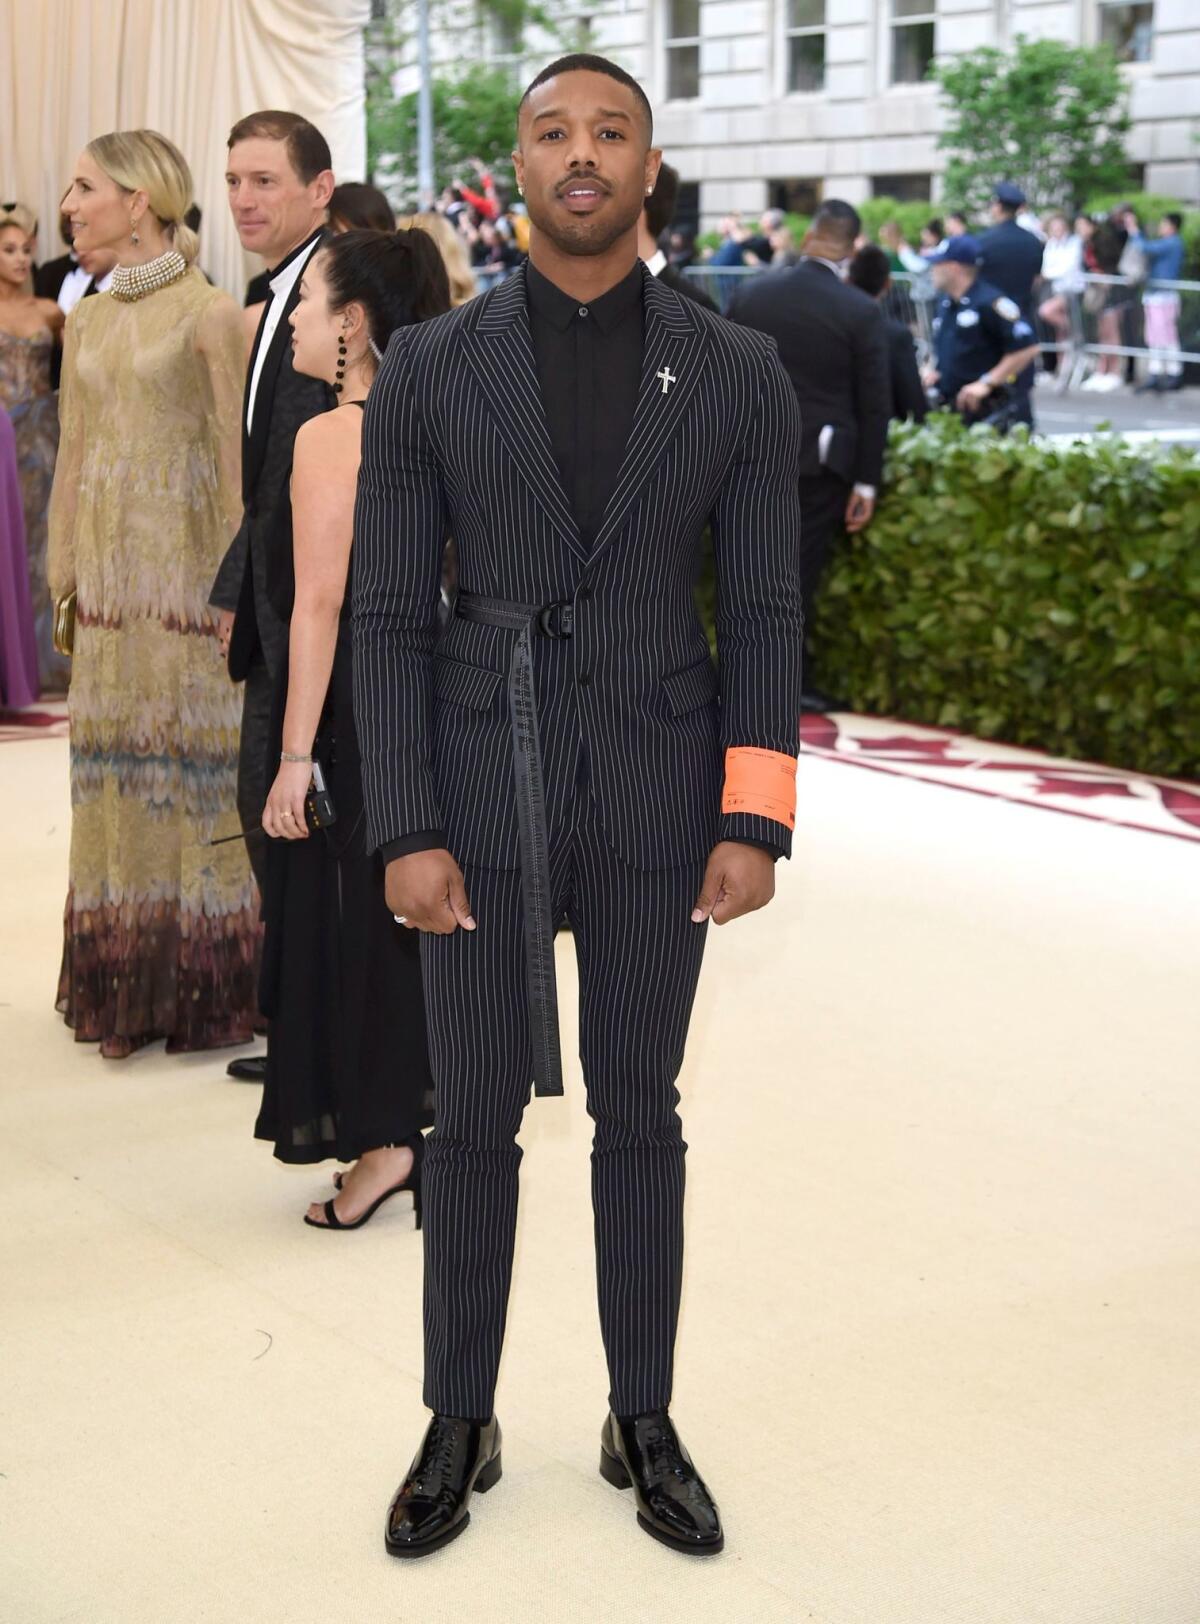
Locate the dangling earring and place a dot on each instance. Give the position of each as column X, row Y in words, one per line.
column 341, row 366
column 133, row 231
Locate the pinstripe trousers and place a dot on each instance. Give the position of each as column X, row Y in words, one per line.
column 639, row 959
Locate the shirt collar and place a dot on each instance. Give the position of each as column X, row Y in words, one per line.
column 291, row 267
column 548, row 301
column 657, row 263
column 829, row 264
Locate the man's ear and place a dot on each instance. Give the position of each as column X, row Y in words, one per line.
column 654, row 160
column 323, row 186
column 519, row 169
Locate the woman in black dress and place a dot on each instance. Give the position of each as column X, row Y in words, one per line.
column 347, row 1069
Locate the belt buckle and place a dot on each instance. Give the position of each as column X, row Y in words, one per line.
column 555, row 620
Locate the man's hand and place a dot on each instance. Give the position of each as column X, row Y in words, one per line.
column 427, row 890
column 858, row 512
column 972, row 395
column 739, row 880
column 930, row 377
column 224, row 631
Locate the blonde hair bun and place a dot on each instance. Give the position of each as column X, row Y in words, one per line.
column 143, row 160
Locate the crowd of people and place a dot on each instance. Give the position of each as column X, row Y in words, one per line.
column 1057, row 278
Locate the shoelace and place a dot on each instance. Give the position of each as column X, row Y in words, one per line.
column 437, row 1460
column 666, row 1458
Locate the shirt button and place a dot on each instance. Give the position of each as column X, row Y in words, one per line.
column 583, row 310
column 584, row 593
column 585, row 678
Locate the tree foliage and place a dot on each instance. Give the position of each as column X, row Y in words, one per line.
column 1050, row 116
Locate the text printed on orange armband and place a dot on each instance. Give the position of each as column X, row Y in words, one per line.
column 762, row 783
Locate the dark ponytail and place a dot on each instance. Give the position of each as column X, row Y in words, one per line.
column 397, row 276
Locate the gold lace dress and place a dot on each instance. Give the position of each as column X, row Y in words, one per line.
column 161, row 927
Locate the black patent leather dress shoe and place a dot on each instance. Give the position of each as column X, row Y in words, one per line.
column 251, row 1068
column 431, row 1505
column 674, row 1505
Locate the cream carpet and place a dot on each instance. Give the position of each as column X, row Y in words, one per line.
column 939, row 1352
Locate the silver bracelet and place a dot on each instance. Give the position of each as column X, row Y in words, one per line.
column 286, row 755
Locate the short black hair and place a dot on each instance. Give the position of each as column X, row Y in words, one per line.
column 870, row 270
column 838, row 220
column 1175, row 219
column 935, row 228
column 585, row 62
column 660, row 205
column 193, row 217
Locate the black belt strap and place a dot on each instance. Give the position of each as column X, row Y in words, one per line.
column 533, row 835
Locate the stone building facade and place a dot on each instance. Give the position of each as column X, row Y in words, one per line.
column 778, row 101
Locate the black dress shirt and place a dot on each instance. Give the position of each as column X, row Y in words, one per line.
column 589, row 366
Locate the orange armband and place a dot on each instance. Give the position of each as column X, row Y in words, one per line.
column 760, row 782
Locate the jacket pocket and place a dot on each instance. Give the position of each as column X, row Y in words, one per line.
column 692, row 687
column 461, row 684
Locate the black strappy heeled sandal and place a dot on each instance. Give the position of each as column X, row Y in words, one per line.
column 413, row 1182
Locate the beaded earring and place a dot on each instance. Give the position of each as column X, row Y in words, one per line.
column 133, row 232
column 341, row 366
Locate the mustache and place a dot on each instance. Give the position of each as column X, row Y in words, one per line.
column 597, row 181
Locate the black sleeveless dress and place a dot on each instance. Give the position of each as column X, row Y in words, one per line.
column 347, row 1065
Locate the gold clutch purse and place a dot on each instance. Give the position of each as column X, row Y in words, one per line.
column 64, row 625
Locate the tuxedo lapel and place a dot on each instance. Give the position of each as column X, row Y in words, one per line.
column 260, row 431
column 673, row 362
column 249, row 466
column 499, row 350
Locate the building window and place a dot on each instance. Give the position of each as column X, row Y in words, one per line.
column 687, row 208
column 1129, row 29
column 794, row 196
column 805, row 45
column 903, row 188
column 912, row 40
column 683, row 50
column 506, row 39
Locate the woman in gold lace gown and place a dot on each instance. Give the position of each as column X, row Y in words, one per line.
column 160, row 927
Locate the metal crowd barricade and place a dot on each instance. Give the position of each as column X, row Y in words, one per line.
column 1105, row 316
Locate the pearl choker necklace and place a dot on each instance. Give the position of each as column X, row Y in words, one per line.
column 132, row 282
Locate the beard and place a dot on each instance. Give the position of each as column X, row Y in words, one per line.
column 581, row 234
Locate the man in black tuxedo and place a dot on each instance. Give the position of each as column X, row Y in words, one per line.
column 280, row 179
column 657, row 217
column 832, row 341
column 570, row 744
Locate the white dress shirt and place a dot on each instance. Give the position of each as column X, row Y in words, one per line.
column 657, row 263
column 284, row 280
column 74, row 286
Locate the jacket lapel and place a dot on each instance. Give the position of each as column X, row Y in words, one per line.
column 673, row 363
column 499, row 350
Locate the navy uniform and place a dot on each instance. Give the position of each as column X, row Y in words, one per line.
column 972, row 334
column 1011, row 259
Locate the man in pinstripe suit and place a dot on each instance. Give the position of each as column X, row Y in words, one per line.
column 568, row 751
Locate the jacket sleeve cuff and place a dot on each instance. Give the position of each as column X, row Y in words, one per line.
column 772, row 847
column 422, row 840
column 754, row 830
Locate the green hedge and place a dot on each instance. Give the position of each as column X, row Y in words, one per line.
column 1046, row 595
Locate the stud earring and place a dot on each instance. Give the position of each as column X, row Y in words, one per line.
column 341, row 366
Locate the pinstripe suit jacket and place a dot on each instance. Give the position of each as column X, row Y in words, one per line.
column 455, row 441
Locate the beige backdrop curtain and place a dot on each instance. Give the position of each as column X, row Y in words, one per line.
column 73, row 69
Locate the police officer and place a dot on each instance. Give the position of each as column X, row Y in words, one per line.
column 981, row 340
column 1011, row 259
